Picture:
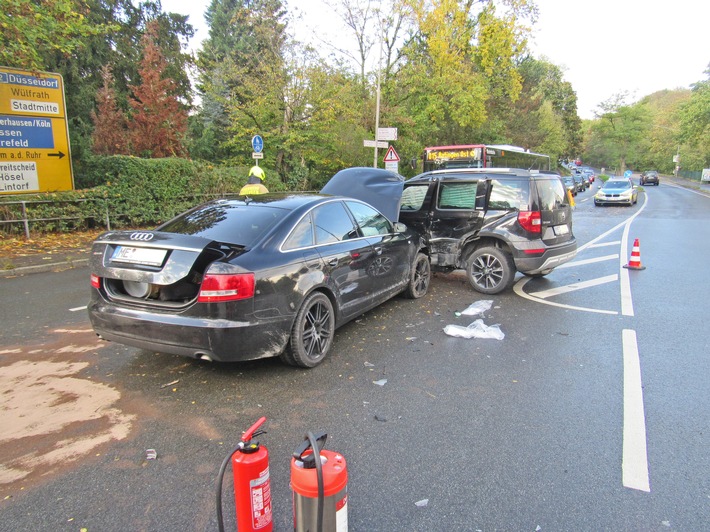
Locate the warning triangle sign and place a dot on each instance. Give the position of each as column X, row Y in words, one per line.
column 391, row 156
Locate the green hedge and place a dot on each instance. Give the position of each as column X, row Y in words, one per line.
column 130, row 191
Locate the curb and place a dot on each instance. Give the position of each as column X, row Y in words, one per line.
column 40, row 268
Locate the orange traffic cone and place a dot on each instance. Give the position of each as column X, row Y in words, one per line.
column 635, row 260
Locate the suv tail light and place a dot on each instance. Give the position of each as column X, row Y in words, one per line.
column 531, row 221
column 217, row 287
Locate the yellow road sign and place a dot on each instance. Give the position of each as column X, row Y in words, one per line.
column 34, row 141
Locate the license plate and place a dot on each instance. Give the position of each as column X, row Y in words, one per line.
column 561, row 230
column 146, row 256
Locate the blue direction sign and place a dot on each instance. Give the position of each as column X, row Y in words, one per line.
column 257, row 143
column 628, row 173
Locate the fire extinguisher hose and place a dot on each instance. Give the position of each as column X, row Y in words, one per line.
column 319, row 474
column 220, row 480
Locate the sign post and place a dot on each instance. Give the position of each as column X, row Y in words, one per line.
column 382, row 135
column 34, row 139
column 392, row 160
column 257, row 144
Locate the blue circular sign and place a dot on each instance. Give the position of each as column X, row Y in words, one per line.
column 628, row 173
column 257, row 143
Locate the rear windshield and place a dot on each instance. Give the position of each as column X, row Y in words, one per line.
column 509, row 194
column 233, row 223
column 551, row 194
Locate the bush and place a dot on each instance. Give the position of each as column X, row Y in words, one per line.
column 130, row 191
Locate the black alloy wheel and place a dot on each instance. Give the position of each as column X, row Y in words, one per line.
column 420, row 277
column 312, row 332
column 490, row 270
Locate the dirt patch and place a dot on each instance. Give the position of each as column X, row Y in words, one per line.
column 51, row 416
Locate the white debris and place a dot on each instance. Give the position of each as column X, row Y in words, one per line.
column 477, row 329
column 422, row 503
column 479, row 307
column 380, row 382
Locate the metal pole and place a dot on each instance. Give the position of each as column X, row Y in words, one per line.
column 24, row 219
column 377, row 109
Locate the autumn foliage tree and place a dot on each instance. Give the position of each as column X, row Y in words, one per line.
column 158, row 123
column 110, row 136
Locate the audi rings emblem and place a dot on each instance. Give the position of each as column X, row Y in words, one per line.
column 142, row 237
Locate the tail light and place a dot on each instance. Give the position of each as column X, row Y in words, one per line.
column 95, row 281
column 217, row 287
column 530, row 221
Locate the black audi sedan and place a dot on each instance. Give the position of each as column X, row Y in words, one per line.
column 256, row 277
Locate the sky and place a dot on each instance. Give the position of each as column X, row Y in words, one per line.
column 604, row 47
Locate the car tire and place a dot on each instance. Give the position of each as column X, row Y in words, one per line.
column 312, row 332
column 490, row 270
column 419, row 278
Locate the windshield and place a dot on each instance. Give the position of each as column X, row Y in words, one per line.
column 233, row 222
column 617, row 184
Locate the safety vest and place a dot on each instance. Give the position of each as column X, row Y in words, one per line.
column 253, row 188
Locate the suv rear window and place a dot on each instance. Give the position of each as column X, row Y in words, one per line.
column 551, row 194
column 509, row 194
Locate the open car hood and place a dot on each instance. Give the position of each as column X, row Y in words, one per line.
column 380, row 188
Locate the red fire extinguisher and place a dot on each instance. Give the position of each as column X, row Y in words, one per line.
column 252, row 485
column 319, row 480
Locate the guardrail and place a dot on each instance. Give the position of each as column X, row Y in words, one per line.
column 24, row 215
column 26, row 220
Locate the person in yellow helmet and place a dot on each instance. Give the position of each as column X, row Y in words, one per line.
column 255, row 183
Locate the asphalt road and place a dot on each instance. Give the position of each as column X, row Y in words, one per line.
column 590, row 414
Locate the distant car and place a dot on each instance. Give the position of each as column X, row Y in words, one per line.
column 586, row 170
column 250, row 278
column 577, row 176
column 570, row 184
column 620, row 190
column 648, row 177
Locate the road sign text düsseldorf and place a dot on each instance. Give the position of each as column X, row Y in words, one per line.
column 34, row 141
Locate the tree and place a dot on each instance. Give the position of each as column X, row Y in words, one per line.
column 110, row 136
column 695, row 120
column 544, row 118
column 619, row 131
column 158, row 124
column 242, row 75
column 28, row 27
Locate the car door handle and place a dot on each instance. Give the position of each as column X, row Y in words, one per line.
column 333, row 262
column 378, row 251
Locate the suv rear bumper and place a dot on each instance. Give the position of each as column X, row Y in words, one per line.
column 549, row 260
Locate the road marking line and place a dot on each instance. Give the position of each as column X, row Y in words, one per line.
column 634, row 463
column 588, row 261
column 77, row 309
column 604, row 244
column 518, row 289
column 543, row 294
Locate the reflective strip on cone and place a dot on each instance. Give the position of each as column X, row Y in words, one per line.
column 635, row 260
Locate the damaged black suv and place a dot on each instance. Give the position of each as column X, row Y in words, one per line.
column 491, row 222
